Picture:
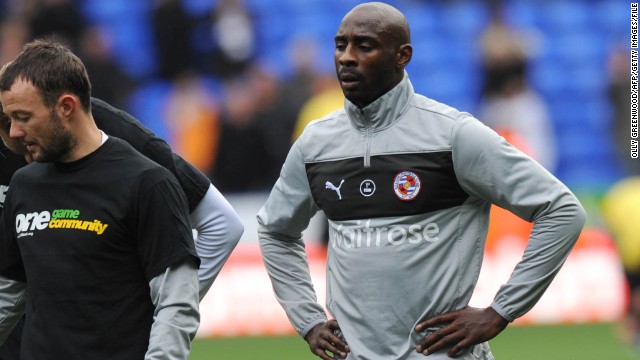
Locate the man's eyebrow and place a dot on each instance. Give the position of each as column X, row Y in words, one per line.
column 362, row 38
column 17, row 112
column 357, row 38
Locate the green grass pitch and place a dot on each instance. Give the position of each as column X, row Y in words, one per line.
column 562, row 342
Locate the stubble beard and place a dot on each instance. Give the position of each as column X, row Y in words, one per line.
column 60, row 145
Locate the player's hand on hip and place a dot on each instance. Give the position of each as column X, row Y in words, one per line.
column 460, row 329
column 326, row 337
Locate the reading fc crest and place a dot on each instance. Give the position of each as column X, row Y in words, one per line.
column 406, row 185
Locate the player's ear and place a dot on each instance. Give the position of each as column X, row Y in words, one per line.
column 403, row 56
column 67, row 105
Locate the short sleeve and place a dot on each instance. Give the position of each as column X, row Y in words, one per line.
column 163, row 230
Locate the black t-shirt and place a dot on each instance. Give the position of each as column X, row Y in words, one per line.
column 120, row 124
column 87, row 237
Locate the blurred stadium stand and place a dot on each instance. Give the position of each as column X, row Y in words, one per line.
column 569, row 70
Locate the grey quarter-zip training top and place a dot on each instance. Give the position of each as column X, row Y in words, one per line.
column 407, row 184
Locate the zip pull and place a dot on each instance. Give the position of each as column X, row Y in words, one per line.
column 367, row 146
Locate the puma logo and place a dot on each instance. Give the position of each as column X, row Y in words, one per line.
column 330, row 186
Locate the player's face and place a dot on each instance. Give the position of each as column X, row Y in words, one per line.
column 364, row 58
column 37, row 127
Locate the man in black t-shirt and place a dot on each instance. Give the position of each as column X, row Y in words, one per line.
column 97, row 234
column 217, row 225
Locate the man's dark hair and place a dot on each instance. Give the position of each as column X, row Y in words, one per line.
column 53, row 69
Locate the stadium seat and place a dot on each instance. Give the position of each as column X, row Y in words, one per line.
column 146, row 104
column 464, row 18
column 550, row 79
column 557, row 16
column 612, row 18
column 127, row 24
column 198, row 7
column 423, row 20
column 521, row 13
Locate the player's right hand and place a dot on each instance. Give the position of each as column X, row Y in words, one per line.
column 325, row 338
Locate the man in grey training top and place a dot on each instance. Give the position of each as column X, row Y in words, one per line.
column 408, row 226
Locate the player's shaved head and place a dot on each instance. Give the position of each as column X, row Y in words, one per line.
column 386, row 19
column 373, row 46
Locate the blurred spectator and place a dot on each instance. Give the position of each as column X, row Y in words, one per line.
column 621, row 204
column 273, row 114
column 265, row 118
column 232, row 30
column 57, row 19
column 327, row 98
column 281, row 111
column 172, row 28
column 620, row 209
column 620, row 96
column 13, row 35
column 108, row 81
column 192, row 117
column 514, row 110
column 243, row 162
column 509, row 105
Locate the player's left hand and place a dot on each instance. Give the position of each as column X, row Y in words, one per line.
column 462, row 328
column 326, row 337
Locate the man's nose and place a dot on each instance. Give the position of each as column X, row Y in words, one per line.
column 347, row 56
column 16, row 130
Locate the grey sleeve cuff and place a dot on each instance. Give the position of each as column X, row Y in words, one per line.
column 12, row 305
column 311, row 325
column 502, row 312
column 176, row 318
